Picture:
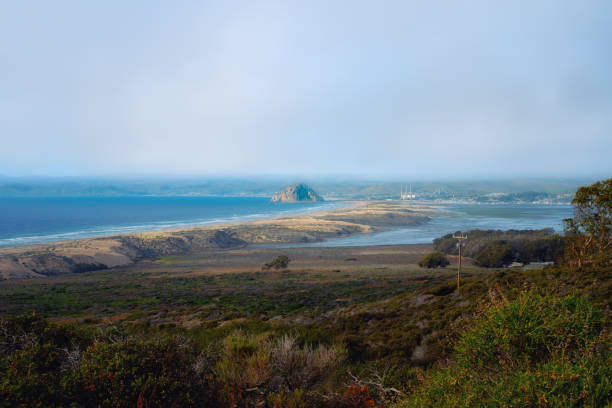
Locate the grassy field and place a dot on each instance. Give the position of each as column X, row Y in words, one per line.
column 210, row 288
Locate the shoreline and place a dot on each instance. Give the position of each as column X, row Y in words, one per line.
column 177, row 229
column 143, row 226
column 95, row 253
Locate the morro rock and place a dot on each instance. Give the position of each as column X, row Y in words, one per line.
column 296, row 193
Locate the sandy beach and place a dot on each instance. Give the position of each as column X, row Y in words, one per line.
column 82, row 255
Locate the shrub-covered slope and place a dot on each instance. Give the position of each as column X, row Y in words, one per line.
column 533, row 351
column 507, row 338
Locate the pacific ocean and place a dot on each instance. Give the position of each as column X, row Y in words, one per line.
column 31, row 220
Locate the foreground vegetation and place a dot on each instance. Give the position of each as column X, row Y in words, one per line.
column 507, row 342
column 533, row 351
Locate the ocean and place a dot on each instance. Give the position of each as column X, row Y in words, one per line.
column 33, row 220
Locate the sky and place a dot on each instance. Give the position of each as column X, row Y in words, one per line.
column 419, row 89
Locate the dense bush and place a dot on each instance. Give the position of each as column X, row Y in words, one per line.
column 498, row 248
column 434, row 260
column 495, row 255
column 531, row 328
column 280, row 262
column 50, row 365
column 141, row 373
column 32, row 354
column 88, row 267
column 534, row 351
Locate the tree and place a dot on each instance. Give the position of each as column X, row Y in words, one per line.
column 589, row 234
column 433, row 260
column 495, row 255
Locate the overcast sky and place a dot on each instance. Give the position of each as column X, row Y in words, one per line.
column 376, row 88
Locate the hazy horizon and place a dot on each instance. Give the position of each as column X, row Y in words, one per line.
column 302, row 177
column 398, row 91
column 329, row 186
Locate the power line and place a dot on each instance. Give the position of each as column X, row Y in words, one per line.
column 460, row 237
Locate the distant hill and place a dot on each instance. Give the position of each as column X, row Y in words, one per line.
column 540, row 191
column 296, row 193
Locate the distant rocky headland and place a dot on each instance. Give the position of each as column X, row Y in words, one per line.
column 296, row 193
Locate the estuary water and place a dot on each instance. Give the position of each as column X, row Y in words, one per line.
column 451, row 218
column 32, row 220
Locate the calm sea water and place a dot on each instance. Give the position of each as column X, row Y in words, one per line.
column 462, row 217
column 31, row 220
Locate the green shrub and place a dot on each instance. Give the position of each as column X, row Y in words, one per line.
column 280, row 262
column 29, row 377
column 49, row 365
column 530, row 328
column 33, row 353
column 434, row 260
column 143, row 373
column 88, row 267
column 534, row 351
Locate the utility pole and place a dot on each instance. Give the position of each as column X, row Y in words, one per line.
column 459, row 237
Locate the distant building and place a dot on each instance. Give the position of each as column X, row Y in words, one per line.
column 405, row 195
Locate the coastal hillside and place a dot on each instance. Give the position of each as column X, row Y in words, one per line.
column 373, row 337
column 343, row 327
column 296, row 193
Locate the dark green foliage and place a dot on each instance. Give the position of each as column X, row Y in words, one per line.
column 88, row 267
column 434, row 260
column 156, row 373
column 549, row 249
column 50, row 365
column 495, row 255
column 280, row 262
column 31, row 356
column 497, row 248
